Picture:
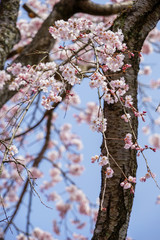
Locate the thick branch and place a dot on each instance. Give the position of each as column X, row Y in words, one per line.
column 9, row 34
column 104, row 9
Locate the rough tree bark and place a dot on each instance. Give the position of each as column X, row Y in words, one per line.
column 112, row 224
column 9, row 34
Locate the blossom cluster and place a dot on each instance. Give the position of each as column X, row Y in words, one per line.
column 34, row 76
column 126, row 117
column 149, row 174
column 73, row 168
column 71, row 29
column 103, row 161
column 106, row 42
column 99, row 124
column 91, row 112
column 154, row 140
column 128, row 141
column 76, row 195
column 13, row 150
column 40, row 78
column 36, row 234
column 4, row 77
column 109, row 172
column 112, row 90
column 42, row 8
column 72, row 99
column 69, row 73
column 127, row 183
column 68, row 138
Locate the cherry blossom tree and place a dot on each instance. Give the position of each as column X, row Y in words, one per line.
column 42, row 58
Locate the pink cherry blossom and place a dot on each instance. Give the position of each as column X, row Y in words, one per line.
column 35, row 173
column 21, row 236
column 104, row 161
column 128, row 141
column 94, row 158
column 76, row 169
column 53, row 155
column 158, row 200
column 13, row 150
column 143, row 179
column 129, row 101
column 40, row 234
column 4, row 77
column 55, row 175
column 69, row 73
column 155, row 140
column 146, row 130
column 84, row 208
column 78, row 237
column 53, row 196
column 126, row 117
column 63, row 208
column 109, row 172
column 125, row 185
column 12, row 196
column 132, row 179
column 99, row 124
column 56, row 228
column 75, row 158
column 147, row 48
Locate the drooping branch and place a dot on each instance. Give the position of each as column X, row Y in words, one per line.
column 36, row 163
column 9, row 34
column 112, row 223
column 43, row 42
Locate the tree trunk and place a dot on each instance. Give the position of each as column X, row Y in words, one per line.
column 112, row 223
column 9, row 34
